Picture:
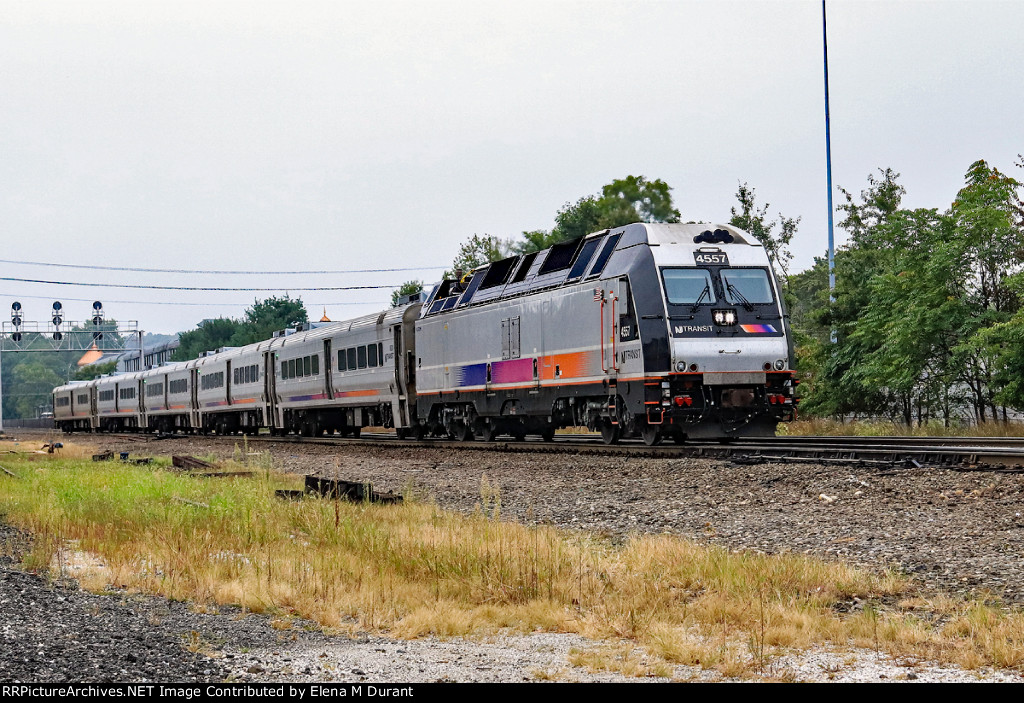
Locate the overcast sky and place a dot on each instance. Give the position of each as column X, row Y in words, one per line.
column 336, row 135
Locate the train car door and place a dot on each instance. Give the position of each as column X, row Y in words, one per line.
column 402, row 380
column 193, row 382
column 140, row 392
column 227, row 383
column 94, row 410
column 270, row 388
column 608, row 326
column 328, row 373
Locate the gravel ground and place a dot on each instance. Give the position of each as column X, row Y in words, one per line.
column 961, row 532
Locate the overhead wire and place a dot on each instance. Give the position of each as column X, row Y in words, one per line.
column 184, row 304
column 214, row 271
column 201, row 288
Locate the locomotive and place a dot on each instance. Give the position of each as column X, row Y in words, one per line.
column 652, row 330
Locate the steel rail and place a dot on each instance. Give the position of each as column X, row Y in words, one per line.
column 746, row 451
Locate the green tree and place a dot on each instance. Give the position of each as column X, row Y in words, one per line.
column 478, row 251
column 754, row 220
column 621, row 202
column 407, row 288
column 208, row 335
column 87, row 373
column 264, row 317
column 578, row 219
column 34, row 382
column 635, row 199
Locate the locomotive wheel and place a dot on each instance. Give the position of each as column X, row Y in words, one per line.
column 489, row 431
column 356, row 431
column 548, row 434
column 402, row 432
column 463, row 431
column 610, row 434
column 651, row 435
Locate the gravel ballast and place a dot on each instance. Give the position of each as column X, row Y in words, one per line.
column 961, row 532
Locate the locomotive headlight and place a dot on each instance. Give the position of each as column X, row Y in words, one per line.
column 680, row 366
column 724, row 318
column 780, row 364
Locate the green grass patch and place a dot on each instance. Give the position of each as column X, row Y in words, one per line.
column 415, row 569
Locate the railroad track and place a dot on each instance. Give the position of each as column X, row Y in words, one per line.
column 1002, row 454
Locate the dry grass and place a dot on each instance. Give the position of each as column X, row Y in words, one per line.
column 415, row 570
column 882, row 428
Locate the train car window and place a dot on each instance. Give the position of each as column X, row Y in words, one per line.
column 560, row 256
column 380, row 352
column 688, row 286
column 362, row 357
column 341, row 360
column 83, row 399
column 471, row 289
column 606, row 252
column 449, row 303
column 371, row 353
column 584, row 258
column 498, row 272
column 750, row 285
column 316, row 364
column 524, row 267
column 351, row 358
column 291, row 368
column 307, row 366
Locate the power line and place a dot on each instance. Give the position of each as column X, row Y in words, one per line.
column 248, row 290
column 202, row 271
column 171, row 302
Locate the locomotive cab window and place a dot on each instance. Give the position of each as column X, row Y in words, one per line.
column 688, row 286
column 746, row 285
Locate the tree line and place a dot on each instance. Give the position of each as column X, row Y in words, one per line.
column 927, row 321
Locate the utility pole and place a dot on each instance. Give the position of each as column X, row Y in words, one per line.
column 828, row 174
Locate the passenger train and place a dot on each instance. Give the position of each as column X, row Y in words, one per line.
column 652, row 330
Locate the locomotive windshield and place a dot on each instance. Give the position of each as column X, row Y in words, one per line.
column 688, row 286
column 743, row 286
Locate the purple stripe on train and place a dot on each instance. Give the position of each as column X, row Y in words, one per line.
column 511, row 371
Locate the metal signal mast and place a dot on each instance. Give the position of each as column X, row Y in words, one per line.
column 60, row 335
